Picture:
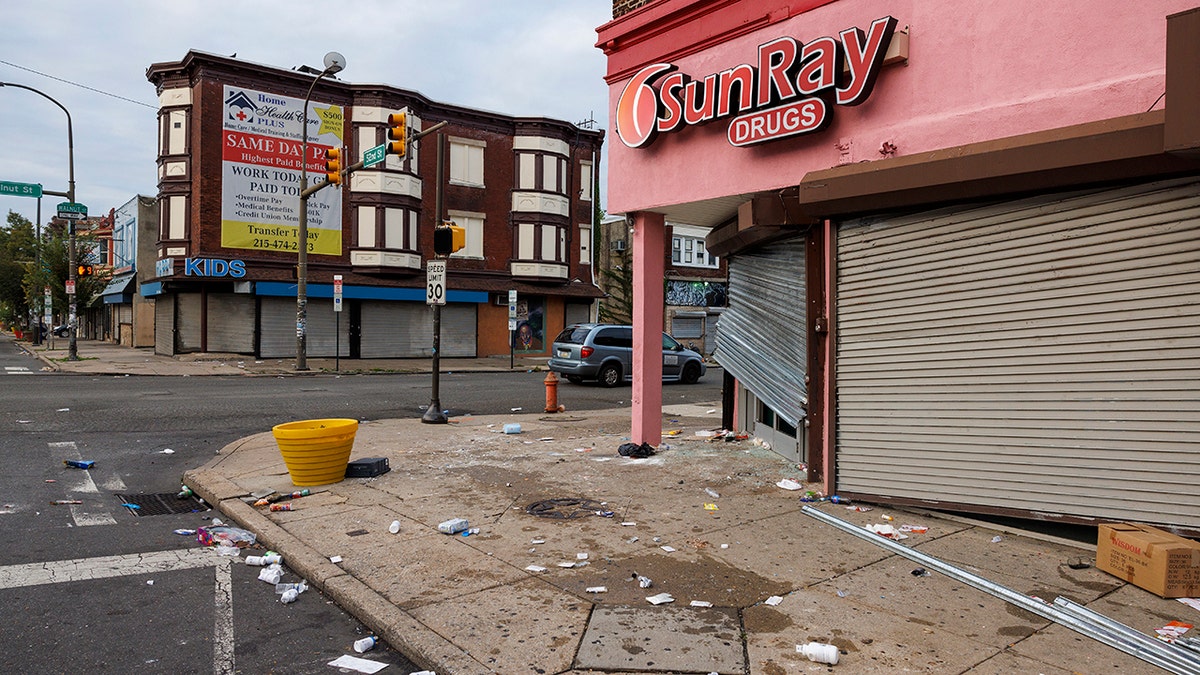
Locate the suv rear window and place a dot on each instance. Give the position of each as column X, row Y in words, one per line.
column 574, row 335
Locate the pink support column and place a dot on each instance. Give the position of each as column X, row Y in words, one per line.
column 648, row 269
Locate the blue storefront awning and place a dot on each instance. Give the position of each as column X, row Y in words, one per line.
column 118, row 291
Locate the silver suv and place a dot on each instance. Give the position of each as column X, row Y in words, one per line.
column 604, row 352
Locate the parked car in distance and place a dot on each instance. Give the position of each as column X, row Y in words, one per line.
column 604, row 352
column 62, row 331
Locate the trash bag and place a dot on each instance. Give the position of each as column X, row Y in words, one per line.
column 636, row 451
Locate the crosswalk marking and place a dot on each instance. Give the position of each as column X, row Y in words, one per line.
column 154, row 562
column 82, row 482
column 17, row 370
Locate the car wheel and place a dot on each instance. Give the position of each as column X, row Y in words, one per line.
column 691, row 373
column 574, row 379
column 610, row 375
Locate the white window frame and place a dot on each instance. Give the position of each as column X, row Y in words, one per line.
column 585, row 181
column 585, row 244
column 472, row 222
column 691, row 252
column 467, row 161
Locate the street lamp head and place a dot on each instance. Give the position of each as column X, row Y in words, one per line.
column 334, row 63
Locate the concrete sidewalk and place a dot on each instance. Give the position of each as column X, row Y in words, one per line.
column 523, row 595
column 703, row 519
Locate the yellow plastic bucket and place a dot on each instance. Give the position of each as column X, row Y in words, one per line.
column 316, row 452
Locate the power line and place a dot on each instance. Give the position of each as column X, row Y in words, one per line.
column 76, row 84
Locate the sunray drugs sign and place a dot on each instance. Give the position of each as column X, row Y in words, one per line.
column 790, row 90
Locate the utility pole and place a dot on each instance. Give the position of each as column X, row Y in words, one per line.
column 434, row 414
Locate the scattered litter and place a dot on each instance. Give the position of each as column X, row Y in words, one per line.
column 888, row 518
column 50, row 480
column 1194, row 603
column 886, row 531
column 394, row 528
column 224, row 535
column 821, row 653
column 660, row 599
column 230, row 551
column 538, row 541
column 789, row 484
column 546, row 438
column 710, row 412
column 628, row 523
column 1079, row 563
column 270, row 558
column 709, row 506
column 841, row 593
column 166, row 451
column 597, row 589
column 518, row 409
column 915, row 529
column 668, row 549
column 774, row 600
column 644, row 582
column 271, row 574
column 358, row 665
column 860, row 509
column 673, row 432
column 290, row 592
column 512, row 428
column 1173, row 630
column 636, row 451
column 150, row 582
column 184, row 492
column 920, row 572
column 581, row 556
column 470, row 531
column 79, row 464
column 724, row 545
column 335, row 559
column 282, row 507
column 566, row 565
column 453, row 526
column 131, row 506
column 701, row 603
column 184, row 532
column 605, row 513
column 712, row 493
column 24, row 421
column 707, row 434
column 535, row 568
column 365, row 644
column 61, row 502
column 583, row 449
column 64, row 410
column 996, row 539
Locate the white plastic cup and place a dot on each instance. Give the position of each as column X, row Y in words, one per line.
column 821, row 653
column 364, row 645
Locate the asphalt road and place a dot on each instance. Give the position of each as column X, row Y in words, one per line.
column 97, row 586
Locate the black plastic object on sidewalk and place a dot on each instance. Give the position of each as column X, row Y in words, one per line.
column 636, row 451
column 367, row 468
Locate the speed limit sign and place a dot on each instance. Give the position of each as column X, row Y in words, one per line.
column 435, row 282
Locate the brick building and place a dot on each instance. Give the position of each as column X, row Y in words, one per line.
column 229, row 175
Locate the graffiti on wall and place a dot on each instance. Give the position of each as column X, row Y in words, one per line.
column 696, row 293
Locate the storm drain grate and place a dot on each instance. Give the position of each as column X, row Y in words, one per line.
column 160, row 504
column 565, row 509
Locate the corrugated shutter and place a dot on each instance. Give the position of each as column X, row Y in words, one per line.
column 278, row 326
column 761, row 338
column 405, row 330
column 187, row 322
column 231, row 323
column 164, row 325
column 1039, row 355
column 576, row 312
column 710, row 330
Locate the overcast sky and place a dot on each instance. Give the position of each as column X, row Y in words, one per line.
column 516, row 57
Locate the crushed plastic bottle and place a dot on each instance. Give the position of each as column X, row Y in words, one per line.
column 184, row 493
column 365, row 644
column 819, row 652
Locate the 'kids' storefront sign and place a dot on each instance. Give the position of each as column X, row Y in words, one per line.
column 790, row 91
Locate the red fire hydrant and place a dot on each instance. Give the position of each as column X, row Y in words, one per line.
column 551, row 383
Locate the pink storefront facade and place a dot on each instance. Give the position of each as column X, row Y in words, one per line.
column 963, row 239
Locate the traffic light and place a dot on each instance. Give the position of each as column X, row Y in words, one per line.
column 398, row 134
column 333, row 166
column 448, row 238
column 85, row 271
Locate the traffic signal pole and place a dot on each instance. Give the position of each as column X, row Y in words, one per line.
column 434, row 414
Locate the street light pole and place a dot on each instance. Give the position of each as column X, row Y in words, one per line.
column 334, row 63
column 72, row 350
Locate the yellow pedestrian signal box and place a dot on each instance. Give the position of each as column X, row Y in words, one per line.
column 398, row 134
column 449, row 238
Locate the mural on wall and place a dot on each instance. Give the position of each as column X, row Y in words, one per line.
column 530, row 333
column 697, row 293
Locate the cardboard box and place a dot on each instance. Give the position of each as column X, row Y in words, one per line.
column 1153, row 559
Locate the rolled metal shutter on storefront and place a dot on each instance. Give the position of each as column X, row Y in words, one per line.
column 278, row 327
column 187, row 322
column 1041, row 355
column 231, row 323
column 405, row 330
column 164, row 325
column 762, row 338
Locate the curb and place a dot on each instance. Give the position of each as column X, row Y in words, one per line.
column 399, row 629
